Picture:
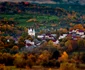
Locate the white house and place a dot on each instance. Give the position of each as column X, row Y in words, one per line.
column 62, row 36
column 29, row 43
column 54, row 35
column 83, row 36
column 40, row 36
column 74, row 31
column 57, row 41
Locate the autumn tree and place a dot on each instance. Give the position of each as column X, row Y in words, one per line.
column 1, row 58
column 64, row 57
column 68, row 45
column 56, row 54
column 21, row 42
column 78, row 26
column 14, row 49
column 81, row 43
column 7, row 59
column 68, row 66
column 1, row 44
column 19, row 62
column 11, row 43
column 50, row 43
column 83, row 58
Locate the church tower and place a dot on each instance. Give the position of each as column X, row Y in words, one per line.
column 31, row 31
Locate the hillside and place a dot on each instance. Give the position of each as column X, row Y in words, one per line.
column 26, row 7
column 45, row 17
column 69, row 7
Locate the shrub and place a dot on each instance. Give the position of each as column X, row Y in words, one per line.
column 2, row 67
column 7, row 59
column 68, row 66
column 14, row 50
column 1, row 58
column 83, row 58
column 51, row 63
column 57, row 64
column 19, row 62
column 29, row 63
column 56, row 54
column 45, row 63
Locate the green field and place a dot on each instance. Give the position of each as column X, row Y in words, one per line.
column 23, row 18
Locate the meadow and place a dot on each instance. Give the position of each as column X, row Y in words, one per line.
column 29, row 19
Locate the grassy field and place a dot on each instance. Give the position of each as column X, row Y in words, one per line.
column 23, row 18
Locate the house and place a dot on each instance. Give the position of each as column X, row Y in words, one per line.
column 80, row 32
column 74, row 38
column 62, row 36
column 40, row 36
column 29, row 43
column 73, row 31
column 83, row 36
column 57, row 42
column 49, row 37
column 54, row 35
column 77, row 31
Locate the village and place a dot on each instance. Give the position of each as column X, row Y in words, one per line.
column 74, row 34
column 36, row 45
column 36, row 37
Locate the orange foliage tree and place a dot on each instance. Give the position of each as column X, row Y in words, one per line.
column 79, row 26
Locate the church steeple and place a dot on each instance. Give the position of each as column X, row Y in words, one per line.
column 31, row 31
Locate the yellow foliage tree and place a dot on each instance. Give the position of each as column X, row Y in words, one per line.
column 64, row 57
column 68, row 45
column 50, row 43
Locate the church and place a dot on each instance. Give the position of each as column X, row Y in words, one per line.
column 31, row 31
